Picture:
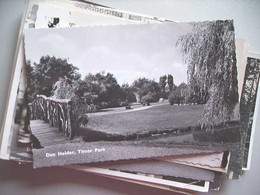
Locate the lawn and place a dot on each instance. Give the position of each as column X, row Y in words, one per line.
column 159, row 118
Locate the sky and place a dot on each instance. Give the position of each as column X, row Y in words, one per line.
column 127, row 51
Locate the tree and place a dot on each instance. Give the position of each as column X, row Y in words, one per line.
column 63, row 90
column 128, row 93
column 30, row 78
column 47, row 72
column 147, row 99
column 104, row 87
column 162, row 82
column 143, row 86
column 179, row 95
column 170, row 82
column 209, row 51
column 197, row 95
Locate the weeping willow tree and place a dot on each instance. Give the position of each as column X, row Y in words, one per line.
column 209, row 51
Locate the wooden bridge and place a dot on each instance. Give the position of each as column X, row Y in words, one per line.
column 51, row 120
column 46, row 134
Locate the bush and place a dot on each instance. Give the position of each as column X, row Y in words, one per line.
column 82, row 120
column 104, row 104
column 125, row 103
column 175, row 98
column 147, row 99
column 171, row 98
column 91, row 108
column 79, row 113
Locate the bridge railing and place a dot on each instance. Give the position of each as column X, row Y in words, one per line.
column 57, row 112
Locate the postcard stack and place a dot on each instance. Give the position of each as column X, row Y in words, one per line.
column 131, row 97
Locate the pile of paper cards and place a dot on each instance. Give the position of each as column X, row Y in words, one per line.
column 131, row 97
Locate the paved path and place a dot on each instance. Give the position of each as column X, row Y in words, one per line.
column 120, row 110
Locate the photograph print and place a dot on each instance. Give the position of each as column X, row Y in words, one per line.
column 105, row 93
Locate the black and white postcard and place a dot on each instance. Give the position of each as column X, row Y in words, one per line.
column 249, row 106
column 51, row 14
column 132, row 91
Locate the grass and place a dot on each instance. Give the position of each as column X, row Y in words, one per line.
column 160, row 118
column 163, row 124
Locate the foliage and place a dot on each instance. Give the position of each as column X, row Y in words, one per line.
column 127, row 94
column 47, row 72
column 148, row 98
column 31, row 89
column 209, row 51
column 197, row 95
column 162, row 82
column 179, row 95
column 103, row 87
column 143, row 86
column 79, row 113
column 62, row 89
column 125, row 103
column 170, row 82
column 88, row 91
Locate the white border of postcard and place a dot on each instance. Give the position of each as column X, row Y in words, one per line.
column 104, row 172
